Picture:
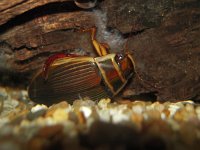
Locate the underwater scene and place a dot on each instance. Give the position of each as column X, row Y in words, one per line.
column 99, row 74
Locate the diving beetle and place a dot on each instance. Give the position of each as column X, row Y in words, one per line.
column 69, row 77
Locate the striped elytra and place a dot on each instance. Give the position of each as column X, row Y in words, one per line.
column 79, row 77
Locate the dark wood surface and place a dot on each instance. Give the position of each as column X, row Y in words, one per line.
column 164, row 38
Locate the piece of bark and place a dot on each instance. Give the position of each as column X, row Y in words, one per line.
column 168, row 57
column 11, row 8
column 45, row 35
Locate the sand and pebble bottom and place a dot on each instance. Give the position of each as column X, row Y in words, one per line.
column 105, row 124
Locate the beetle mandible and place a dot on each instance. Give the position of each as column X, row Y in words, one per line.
column 69, row 77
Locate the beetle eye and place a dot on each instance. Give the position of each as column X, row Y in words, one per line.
column 119, row 57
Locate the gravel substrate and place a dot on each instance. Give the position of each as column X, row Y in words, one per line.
column 85, row 124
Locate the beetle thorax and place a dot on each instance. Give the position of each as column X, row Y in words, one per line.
column 115, row 69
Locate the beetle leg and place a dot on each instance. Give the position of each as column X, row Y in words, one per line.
column 105, row 45
column 101, row 48
column 50, row 61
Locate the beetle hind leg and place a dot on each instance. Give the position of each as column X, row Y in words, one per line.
column 101, row 48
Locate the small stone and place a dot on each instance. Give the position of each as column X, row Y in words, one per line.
column 104, row 115
column 153, row 114
column 190, row 108
column 104, row 103
column 38, row 107
column 166, row 112
column 60, row 115
column 62, row 104
column 81, row 117
column 84, row 102
column 53, row 108
column 173, row 108
column 138, row 109
column 34, row 115
column 137, row 120
column 86, row 111
column 158, row 106
column 10, row 107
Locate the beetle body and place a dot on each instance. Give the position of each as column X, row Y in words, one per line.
column 69, row 78
column 74, row 78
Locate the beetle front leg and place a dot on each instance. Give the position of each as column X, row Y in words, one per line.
column 50, row 61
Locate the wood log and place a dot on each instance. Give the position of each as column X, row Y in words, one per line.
column 163, row 36
column 168, row 56
column 10, row 9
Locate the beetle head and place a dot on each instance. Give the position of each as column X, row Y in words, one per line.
column 126, row 64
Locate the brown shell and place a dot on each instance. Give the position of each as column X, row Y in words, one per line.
column 68, row 79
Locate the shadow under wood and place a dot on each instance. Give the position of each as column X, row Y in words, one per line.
column 151, row 96
column 15, row 80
